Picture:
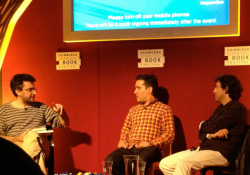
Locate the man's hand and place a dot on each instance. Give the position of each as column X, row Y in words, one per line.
column 21, row 136
column 58, row 108
column 223, row 133
column 122, row 144
column 143, row 144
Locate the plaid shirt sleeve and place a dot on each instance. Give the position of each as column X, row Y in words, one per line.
column 168, row 130
column 126, row 128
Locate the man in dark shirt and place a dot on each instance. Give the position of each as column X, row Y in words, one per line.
column 221, row 135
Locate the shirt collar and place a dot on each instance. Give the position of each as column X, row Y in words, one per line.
column 229, row 104
column 152, row 102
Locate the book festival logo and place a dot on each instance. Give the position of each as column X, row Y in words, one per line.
column 151, row 58
column 68, row 60
column 237, row 56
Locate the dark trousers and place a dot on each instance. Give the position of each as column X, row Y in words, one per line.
column 148, row 154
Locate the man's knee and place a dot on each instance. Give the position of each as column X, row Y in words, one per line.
column 31, row 143
column 32, row 134
column 150, row 154
column 117, row 155
column 166, row 164
column 185, row 163
column 113, row 156
column 109, row 158
column 162, row 165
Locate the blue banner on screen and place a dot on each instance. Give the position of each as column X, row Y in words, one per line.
column 139, row 14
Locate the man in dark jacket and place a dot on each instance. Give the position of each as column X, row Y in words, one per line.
column 221, row 135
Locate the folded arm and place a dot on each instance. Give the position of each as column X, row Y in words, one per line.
column 219, row 124
column 226, row 120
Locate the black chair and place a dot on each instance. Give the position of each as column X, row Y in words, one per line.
column 218, row 170
column 241, row 166
column 50, row 162
column 155, row 165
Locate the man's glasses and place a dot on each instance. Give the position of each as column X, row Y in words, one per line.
column 30, row 89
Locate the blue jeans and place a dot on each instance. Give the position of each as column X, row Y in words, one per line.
column 149, row 154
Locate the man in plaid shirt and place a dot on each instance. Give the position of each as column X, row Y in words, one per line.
column 148, row 127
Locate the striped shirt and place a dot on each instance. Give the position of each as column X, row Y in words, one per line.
column 15, row 121
column 152, row 123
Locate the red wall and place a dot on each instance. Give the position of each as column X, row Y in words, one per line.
column 97, row 97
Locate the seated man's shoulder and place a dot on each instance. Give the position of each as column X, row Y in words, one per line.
column 4, row 107
column 163, row 106
column 134, row 107
column 238, row 105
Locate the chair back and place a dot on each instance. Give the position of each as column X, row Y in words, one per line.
column 241, row 162
column 243, row 157
column 50, row 162
column 167, row 150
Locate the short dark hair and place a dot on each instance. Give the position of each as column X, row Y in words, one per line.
column 149, row 80
column 233, row 85
column 17, row 82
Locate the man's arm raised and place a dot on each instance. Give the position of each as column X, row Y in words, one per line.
column 59, row 109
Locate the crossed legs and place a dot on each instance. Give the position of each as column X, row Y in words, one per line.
column 188, row 162
column 37, row 147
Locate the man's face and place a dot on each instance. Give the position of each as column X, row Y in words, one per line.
column 141, row 92
column 219, row 92
column 28, row 92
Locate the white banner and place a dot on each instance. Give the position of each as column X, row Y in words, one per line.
column 151, row 58
column 237, row 56
column 68, row 60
